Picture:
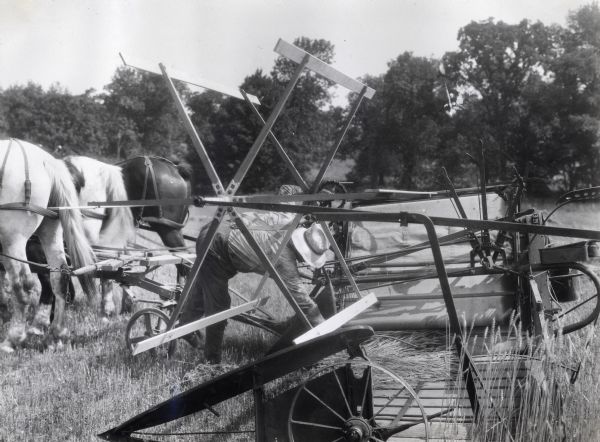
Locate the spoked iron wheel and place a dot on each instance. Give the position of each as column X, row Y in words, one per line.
column 144, row 324
column 355, row 401
column 576, row 288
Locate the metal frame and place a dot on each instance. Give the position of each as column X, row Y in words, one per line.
column 227, row 201
column 304, row 61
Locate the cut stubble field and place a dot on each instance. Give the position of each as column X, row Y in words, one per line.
column 93, row 383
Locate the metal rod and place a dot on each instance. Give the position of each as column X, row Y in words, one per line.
column 284, row 242
column 196, row 141
column 341, row 260
column 333, row 151
column 471, row 224
column 475, row 243
column 280, row 150
column 441, row 270
column 266, row 129
column 201, row 252
column 485, row 234
column 270, row 268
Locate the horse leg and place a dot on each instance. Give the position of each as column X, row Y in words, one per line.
column 4, row 296
column 43, row 314
column 51, row 238
column 44, row 311
column 26, row 290
column 108, row 303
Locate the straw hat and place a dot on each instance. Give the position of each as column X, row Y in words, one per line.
column 311, row 244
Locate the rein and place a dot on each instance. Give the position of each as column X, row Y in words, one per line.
column 37, row 264
column 86, row 213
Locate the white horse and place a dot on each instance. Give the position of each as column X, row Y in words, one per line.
column 31, row 180
column 112, row 227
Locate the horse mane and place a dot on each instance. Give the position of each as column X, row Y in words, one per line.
column 118, row 227
column 120, row 219
column 76, row 174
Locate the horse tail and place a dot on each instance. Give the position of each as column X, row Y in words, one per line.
column 63, row 194
column 119, row 223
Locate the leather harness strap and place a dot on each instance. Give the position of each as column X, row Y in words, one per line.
column 26, row 204
column 4, row 161
column 27, row 180
column 163, row 221
column 93, row 215
column 150, row 173
column 154, row 184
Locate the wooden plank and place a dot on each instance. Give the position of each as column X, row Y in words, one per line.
column 407, row 402
column 183, row 330
column 175, row 258
column 339, row 319
column 438, row 431
column 108, row 264
column 200, row 82
column 295, row 54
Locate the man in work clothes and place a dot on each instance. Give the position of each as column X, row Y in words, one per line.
column 230, row 253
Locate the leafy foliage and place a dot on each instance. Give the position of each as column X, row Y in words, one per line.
column 401, row 124
column 144, row 114
column 230, row 127
column 528, row 92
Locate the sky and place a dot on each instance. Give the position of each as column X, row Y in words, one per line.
column 76, row 42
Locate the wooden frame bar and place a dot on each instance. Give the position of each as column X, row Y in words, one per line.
column 202, row 249
column 339, row 319
column 200, row 82
column 304, row 60
column 296, row 55
column 271, row 268
column 191, row 130
column 190, row 327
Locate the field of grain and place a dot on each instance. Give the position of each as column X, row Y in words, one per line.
column 91, row 384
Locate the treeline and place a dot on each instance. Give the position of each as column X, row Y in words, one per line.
column 528, row 93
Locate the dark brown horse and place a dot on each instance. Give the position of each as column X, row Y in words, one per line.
column 157, row 178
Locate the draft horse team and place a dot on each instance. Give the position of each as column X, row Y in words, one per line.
column 32, row 182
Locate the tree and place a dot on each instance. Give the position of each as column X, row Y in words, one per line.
column 228, row 126
column 502, row 71
column 575, row 90
column 306, row 126
column 3, row 122
column 146, row 120
column 55, row 118
column 399, row 128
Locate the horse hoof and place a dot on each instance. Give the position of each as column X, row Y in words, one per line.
column 57, row 334
column 17, row 335
column 5, row 347
column 34, row 331
column 105, row 320
column 42, row 317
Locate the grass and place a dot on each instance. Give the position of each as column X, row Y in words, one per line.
column 93, row 383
